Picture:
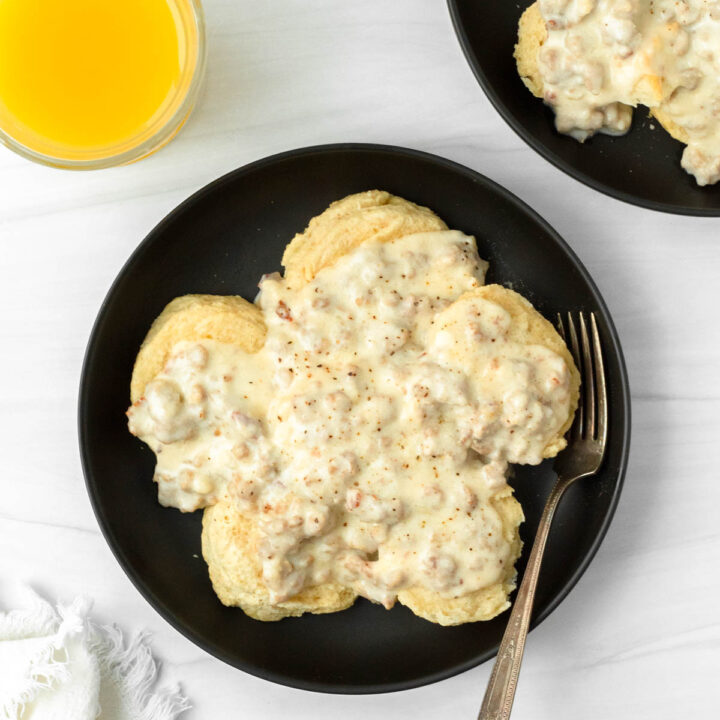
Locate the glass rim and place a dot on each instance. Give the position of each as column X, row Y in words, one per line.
column 163, row 134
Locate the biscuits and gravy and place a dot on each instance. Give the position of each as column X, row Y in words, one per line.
column 349, row 433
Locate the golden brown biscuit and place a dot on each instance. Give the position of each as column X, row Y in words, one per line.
column 529, row 327
column 229, row 548
column 484, row 604
column 532, row 34
column 372, row 215
column 229, row 319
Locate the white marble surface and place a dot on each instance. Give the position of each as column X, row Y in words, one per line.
column 639, row 636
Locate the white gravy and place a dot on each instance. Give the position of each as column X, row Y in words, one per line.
column 372, row 433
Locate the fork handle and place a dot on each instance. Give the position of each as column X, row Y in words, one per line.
column 500, row 692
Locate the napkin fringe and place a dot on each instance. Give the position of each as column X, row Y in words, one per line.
column 135, row 672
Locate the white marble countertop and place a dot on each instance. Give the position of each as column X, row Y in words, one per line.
column 639, row 636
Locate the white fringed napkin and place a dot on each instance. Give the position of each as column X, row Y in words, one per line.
column 55, row 664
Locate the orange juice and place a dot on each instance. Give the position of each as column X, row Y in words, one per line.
column 87, row 79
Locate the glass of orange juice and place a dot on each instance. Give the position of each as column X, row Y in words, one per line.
column 88, row 84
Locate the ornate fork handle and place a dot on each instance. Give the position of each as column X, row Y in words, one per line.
column 500, row 692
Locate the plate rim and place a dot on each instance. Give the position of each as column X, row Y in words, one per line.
column 139, row 583
column 545, row 152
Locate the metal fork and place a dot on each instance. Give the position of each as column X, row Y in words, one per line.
column 582, row 457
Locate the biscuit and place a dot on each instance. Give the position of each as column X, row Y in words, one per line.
column 532, row 34
column 483, row 604
column 229, row 319
column 229, row 547
column 347, row 223
column 529, row 327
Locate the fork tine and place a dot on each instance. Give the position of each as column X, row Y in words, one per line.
column 600, row 380
column 589, row 395
column 576, row 430
column 561, row 328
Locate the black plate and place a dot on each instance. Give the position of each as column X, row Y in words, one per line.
column 220, row 241
column 642, row 167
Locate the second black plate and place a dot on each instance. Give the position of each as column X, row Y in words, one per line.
column 221, row 241
column 642, row 167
